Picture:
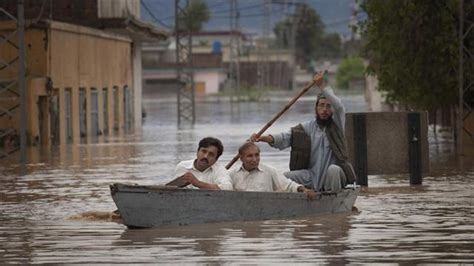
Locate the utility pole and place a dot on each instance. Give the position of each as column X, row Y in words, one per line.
column 353, row 21
column 21, row 80
column 294, row 26
column 466, row 83
column 12, row 86
column 262, row 66
column 184, row 66
column 234, row 49
column 266, row 34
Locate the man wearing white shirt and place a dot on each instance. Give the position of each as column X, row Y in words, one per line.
column 254, row 176
column 205, row 172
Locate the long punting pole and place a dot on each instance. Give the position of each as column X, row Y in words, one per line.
column 288, row 105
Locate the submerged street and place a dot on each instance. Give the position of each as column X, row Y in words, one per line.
column 59, row 211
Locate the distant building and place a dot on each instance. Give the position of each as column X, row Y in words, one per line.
column 211, row 59
column 209, row 74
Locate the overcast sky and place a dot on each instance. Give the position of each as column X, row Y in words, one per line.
column 335, row 14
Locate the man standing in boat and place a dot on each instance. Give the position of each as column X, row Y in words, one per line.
column 255, row 176
column 205, row 172
column 319, row 158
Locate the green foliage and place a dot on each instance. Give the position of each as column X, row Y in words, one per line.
column 247, row 93
column 310, row 40
column 252, row 93
column 193, row 16
column 351, row 68
column 328, row 47
column 413, row 49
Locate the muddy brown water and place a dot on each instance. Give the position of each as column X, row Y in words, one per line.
column 59, row 210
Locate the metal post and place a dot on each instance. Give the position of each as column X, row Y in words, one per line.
column 360, row 149
column 184, row 69
column 294, row 25
column 21, row 80
column 234, row 44
column 177, row 39
column 414, row 149
column 261, row 59
column 460, row 111
column 190, row 74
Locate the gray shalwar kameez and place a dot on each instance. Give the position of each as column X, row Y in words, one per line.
column 322, row 172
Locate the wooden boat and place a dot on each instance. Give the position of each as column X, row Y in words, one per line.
column 154, row 206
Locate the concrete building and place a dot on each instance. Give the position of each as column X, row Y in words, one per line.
column 84, row 68
column 211, row 75
column 160, row 72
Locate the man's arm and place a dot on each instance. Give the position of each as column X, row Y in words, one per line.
column 178, row 180
column 223, row 179
column 279, row 141
column 189, row 177
column 310, row 194
column 179, row 170
column 339, row 112
column 264, row 138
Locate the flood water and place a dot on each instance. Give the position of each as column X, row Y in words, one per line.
column 58, row 211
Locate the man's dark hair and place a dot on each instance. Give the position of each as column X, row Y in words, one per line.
column 320, row 96
column 210, row 141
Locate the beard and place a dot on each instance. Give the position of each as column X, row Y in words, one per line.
column 323, row 122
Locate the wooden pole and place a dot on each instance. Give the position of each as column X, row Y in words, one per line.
column 288, row 105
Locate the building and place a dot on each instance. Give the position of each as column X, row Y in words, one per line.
column 211, row 59
column 209, row 73
column 83, row 65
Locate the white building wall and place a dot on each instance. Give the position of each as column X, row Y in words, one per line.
column 211, row 78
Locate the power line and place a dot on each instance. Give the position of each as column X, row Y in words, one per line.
column 333, row 23
column 223, row 11
column 147, row 9
column 216, row 4
column 249, row 15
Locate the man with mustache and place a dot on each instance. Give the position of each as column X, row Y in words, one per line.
column 319, row 158
column 256, row 176
column 205, row 172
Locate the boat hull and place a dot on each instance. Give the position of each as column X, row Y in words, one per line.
column 154, row 206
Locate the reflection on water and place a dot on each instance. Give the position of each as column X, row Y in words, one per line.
column 250, row 242
column 59, row 212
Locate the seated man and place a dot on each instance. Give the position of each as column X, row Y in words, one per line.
column 204, row 172
column 254, row 176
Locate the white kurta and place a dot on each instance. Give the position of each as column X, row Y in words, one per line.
column 215, row 174
column 264, row 178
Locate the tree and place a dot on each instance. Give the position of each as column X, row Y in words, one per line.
column 193, row 16
column 351, row 68
column 329, row 46
column 412, row 47
column 311, row 41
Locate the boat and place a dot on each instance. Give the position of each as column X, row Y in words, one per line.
column 154, row 206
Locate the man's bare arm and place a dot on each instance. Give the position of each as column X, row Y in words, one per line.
column 263, row 138
column 189, row 177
